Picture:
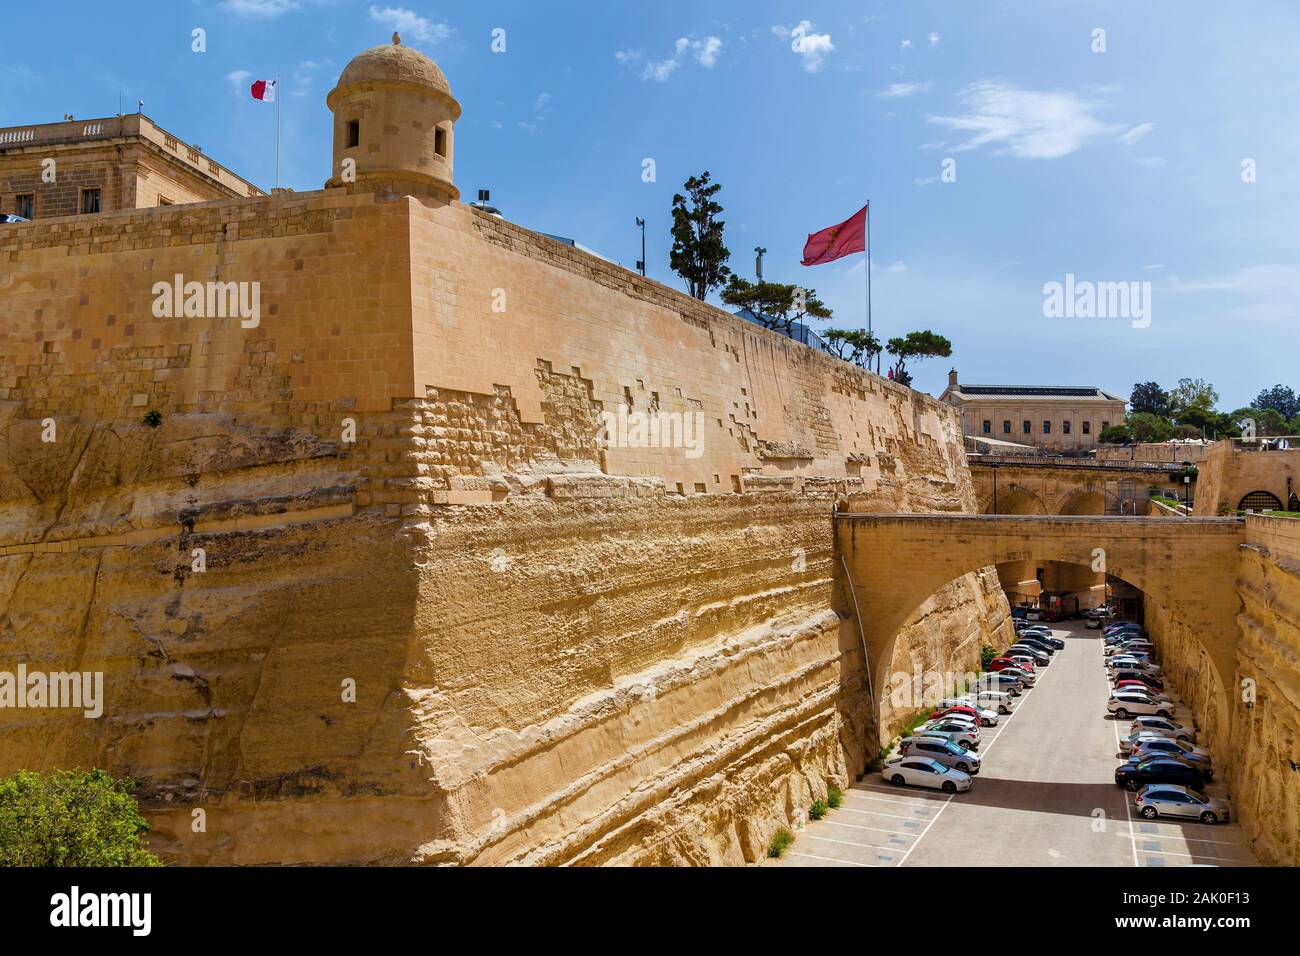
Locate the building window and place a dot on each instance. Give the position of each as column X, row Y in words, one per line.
column 988, row 427
column 89, row 201
column 25, row 205
column 440, row 142
column 354, row 133
column 164, row 201
column 1006, row 426
column 1025, row 428
column 1087, row 428
column 1065, row 428
column 1105, row 425
column 1047, row 427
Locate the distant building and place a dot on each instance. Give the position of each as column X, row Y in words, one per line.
column 1050, row 417
column 83, row 167
column 798, row 331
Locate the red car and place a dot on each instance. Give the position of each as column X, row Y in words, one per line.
column 1001, row 663
column 963, row 711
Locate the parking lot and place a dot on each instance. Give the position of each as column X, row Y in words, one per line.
column 1045, row 796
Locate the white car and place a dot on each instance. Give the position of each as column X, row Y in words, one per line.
column 1124, row 704
column 988, row 715
column 923, row 772
column 968, row 738
column 996, row 700
column 1132, row 664
column 1164, row 727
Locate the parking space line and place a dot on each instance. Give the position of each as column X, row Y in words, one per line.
column 859, row 826
column 881, row 813
column 1185, row 839
column 869, row 846
column 1128, row 811
column 1191, row 856
column 829, row 859
column 906, row 803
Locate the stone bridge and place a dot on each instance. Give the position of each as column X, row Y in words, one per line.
column 1026, row 485
column 893, row 562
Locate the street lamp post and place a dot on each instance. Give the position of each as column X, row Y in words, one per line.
column 641, row 262
column 1187, row 493
column 995, row 486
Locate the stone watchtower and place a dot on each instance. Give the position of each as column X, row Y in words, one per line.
column 393, row 118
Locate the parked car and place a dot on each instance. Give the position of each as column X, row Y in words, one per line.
column 1126, row 703
column 1025, row 677
column 1134, row 776
column 969, row 724
column 963, row 735
column 1025, row 663
column 1133, row 664
column 998, row 681
column 987, row 716
column 1053, row 643
column 1142, row 690
column 924, row 772
column 1140, row 677
column 995, row 700
column 944, row 751
column 1146, row 747
column 1093, row 624
column 1165, row 727
column 1002, row 663
column 1170, row 800
column 1039, row 644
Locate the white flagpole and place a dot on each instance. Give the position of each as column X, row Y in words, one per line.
column 277, row 131
column 866, row 240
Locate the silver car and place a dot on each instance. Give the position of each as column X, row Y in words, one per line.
column 1150, row 746
column 942, row 751
column 1170, row 800
column 1164, row 727
column 964, row 737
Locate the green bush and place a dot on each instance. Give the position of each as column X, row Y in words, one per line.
column 71, row 818
column 818, row 809
column 834, row 796
column 987, row 653
column 781, row 839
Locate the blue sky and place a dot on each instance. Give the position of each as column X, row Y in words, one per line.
column 1115, row 166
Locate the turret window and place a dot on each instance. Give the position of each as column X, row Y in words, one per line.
column 440, row 142
column 354, row 133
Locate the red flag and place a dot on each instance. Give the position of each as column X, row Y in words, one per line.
column 264, row 90
column 837, row 241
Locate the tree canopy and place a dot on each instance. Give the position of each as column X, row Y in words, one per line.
column 852, row 345
column 71, row 818
column 698, row 254
column 1280, row 399
column 1150, row 398
column 915, row 346
column 777, row 305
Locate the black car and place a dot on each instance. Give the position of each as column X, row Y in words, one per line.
column 1154, row 683
column 1038, row 642
column 1135, row 776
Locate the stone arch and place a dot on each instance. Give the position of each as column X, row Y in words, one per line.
column 1086, row 501
column 1015, row 499
column 894, row 562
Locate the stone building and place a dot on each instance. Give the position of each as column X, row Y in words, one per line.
column 85, row 167
column 1249, row 476
column 1054, row 418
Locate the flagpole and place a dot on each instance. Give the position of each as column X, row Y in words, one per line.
column 277, row 131
column 866, row 240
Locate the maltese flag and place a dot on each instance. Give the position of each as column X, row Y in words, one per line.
column 264, row 90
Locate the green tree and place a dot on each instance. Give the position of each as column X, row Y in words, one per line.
column 1193, row 396
column 1150, row 398
column 857, row 346
column 1145, row 427
column 1115, row 435
column 71, row 818
column 777, row 305
column 1281, row 399
column 698, row 254
column 915, row 346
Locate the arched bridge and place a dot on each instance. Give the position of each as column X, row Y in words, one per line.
column 895, row 561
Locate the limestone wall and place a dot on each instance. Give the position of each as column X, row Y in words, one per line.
column 1232, row 471
column 1266, row 734
column 562, row 652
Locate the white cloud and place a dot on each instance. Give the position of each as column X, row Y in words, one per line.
column 1026, row 123
column 934, row 39
column 895, row 90
column 807, row 43
column 1136, row 133
column 905, row 45
column 410, row 24
column 705, row 52
column 304, row 77
column 260, row 8
column 238, row 80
